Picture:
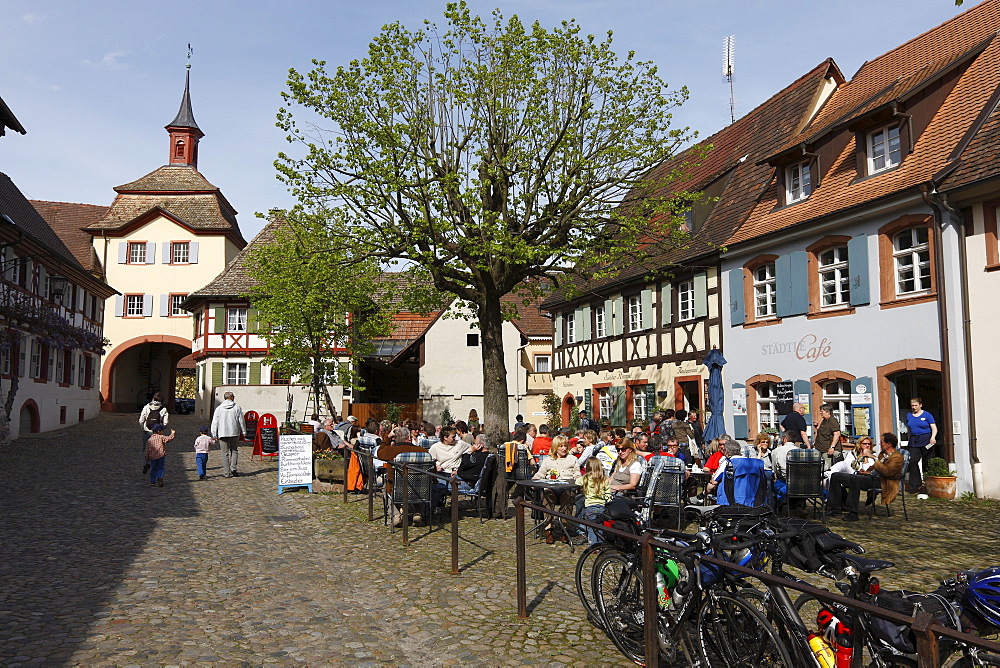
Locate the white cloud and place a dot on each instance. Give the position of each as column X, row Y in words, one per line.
column 32, row 18
column 110, row 61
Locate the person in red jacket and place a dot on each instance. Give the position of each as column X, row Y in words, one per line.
column 542, row 443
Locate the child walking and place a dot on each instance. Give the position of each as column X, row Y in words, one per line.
column 201, row 447
column 156, row 453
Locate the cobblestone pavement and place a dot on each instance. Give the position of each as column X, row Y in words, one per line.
column 99, row 568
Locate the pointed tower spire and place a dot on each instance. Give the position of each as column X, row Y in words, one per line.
column 184, row 131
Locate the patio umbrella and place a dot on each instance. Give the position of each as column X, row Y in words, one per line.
column 716, row 395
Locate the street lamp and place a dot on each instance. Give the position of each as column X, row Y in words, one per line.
column 57, row 287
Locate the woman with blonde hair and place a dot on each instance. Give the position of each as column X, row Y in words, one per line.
column 473, row 419
column 559, row 465
column 626, row 470
column 596, row 488
column 762, row 449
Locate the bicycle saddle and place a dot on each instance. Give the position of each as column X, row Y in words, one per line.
column 831, row 542
column 864, row 565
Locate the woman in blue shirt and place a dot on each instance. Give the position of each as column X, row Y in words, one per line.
column 923, row 435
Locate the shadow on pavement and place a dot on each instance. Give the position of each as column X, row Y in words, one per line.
column 76, row 513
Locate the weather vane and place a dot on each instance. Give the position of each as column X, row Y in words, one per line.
column 190, row 51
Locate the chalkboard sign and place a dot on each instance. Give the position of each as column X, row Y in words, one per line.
column 784, row 397
column 295, row 465
column 251, row 417
column 269, row 440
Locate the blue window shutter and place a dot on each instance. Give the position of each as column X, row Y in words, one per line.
column 165, row 253
column 193, row 253
column 150, row 252
column 740, row 423
column 857, row 263
column 164, row 306
column 584, row 323
column 559, row 330
column 619, row 317
column 666, row 316
column 646, row 300
column 700, row 295
column 119, row 305
column 737, row 310
column 122, row 252
column 804, row 387
column 799, row 282
column 783, row 285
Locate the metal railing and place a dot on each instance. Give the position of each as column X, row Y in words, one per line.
column 925, row 626
column 404, row 483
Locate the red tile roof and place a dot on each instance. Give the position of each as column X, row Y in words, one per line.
column 67, row 220
column 889, row 77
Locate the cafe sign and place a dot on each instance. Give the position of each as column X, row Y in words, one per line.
column 809, row 348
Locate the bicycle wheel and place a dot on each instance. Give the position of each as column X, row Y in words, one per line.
column 617, row 588
column 978, row 659
column 733, row 633
column 584, row 580
column 876, row 655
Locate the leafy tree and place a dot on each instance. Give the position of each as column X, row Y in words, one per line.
column 553, row 406
column 318, row 306
column 485, row 156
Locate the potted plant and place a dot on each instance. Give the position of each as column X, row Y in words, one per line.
column 939, row 479
column 328, row 465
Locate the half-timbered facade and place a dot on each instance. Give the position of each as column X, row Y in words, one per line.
column 626, row 345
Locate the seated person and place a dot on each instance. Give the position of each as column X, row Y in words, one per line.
column 512, row 447
column 762, row 450
column 447, row 453
column 471, row 466
column 715, row 453
column 558, row 466
column 542, row 445
column 851, row 463
column 845, row 488
column 674, row 450
column 626, row 470
column 732, row 450
column 400, row 451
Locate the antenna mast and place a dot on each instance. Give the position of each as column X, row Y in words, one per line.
column 728, row 68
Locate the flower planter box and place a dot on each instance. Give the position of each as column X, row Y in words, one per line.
column 329, row 469
column 942, row 487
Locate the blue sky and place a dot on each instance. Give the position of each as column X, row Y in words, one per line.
column 95, row 81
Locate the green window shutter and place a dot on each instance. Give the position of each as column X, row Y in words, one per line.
column 700, row 295
column 252, row 325
column 646, row 302
column 618, row 412
column 216, row 374
column 857, row 263
column 219, row 324
column 666, row 315
column 618, row 323
column 255, row 373
column 579, row 325
column 737, row 310
column 609, row 309
column 584, row 318
column 559, row 330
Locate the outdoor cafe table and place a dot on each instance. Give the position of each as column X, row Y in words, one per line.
column 701, row 479
column 535, row 487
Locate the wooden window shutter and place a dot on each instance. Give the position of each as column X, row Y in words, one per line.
column 646, row 303
column 700, row 295
column 217, row 374
column 737, row 310
column 666, row 314
column 254, row 373
column 219, row 323
column 857, row 265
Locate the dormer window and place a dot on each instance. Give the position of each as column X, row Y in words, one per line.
column 798, row 182
column 884, row 150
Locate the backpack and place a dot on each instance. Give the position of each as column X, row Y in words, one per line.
column 154, row 418
column 617, row 514
column 909, row 603
column 813, row 545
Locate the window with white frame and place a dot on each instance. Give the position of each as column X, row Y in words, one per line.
column 765, row 292
column 36, row 360
column 600, row 322
column 180, row 252
column 236, row 373
column 137, row 253
column 543, row 364
column 883, row 149
column 837, row 393
column 685, row 300
column 798, row 182
column 236, row 320
column 639, row 407
column 912, row 257
column 767, row 407
column 634, row 313
column 175, row 305
column 133, row 305
column 571, row 328
column 604, row 399
column 834, row 277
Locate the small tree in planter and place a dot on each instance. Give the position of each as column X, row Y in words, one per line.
column 553, row 406
column 939, row 479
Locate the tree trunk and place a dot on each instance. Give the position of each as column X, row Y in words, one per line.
column 8, row 405
column 496, row 416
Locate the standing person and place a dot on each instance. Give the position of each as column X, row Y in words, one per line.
column 156, row 453
column 654, row 424
column 152, row 413
column 698, row 428
column 684, row 433
column 588, row 423
column 473, row 420
column 596, row 487
column 519, row 424
column 828, row 435
column 923, row 436
column 794, row 425
column 202, row 444
column 227, row 425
